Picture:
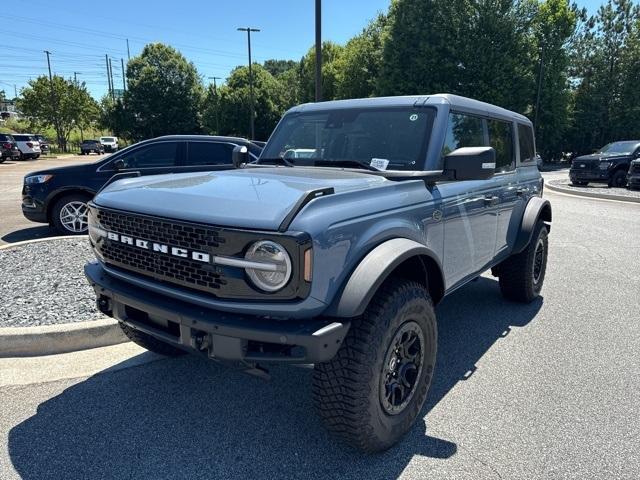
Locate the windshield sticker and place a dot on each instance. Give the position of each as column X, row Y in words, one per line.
column 379, row 163
column 413, row 117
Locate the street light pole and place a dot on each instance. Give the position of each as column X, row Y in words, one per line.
column 318, row 50
column 251, row 104
column 75, row 77
column 53, row 103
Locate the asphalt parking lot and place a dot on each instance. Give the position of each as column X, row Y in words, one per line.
column 13, row 226
column 546, row 390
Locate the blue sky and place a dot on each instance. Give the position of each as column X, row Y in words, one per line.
column 79, row 34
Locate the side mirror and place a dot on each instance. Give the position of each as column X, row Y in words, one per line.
column 240, row 156
column 471, row 163
column 119, row 164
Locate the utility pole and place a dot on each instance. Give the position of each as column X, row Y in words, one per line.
column 15, row 91
column 251, row 105
column 128, row 52
column 124, row 85
column 215, row 93
column 54, row 108
column 538, row 94
column 106, row 59
column 75, row 77
column 318, row 50
column 113, row 89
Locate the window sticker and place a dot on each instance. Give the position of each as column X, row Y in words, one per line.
column 413, row 117
column 379, row 163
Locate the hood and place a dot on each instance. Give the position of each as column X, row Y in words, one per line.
column 68, row 170
column 596, row 157
column 254, row 198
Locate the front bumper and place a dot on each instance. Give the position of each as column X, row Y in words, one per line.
column 589, row 175
column 633, row 181
column 222, row 335
column 33, row 203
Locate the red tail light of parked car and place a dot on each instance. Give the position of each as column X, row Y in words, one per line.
column 7, row 145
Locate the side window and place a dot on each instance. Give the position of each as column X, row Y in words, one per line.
column 525, row 140
column 463, row 131
column 159, row 155
column 209, row 153
column 501, row 139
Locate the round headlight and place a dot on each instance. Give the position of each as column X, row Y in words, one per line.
column 273, row 265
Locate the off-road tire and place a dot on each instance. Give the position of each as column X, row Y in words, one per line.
column 516, row 273
column 150, row 343
column 618, row 179
column 579, row 184
column 347, row 389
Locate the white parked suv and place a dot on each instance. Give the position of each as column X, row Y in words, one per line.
column 110, row 144
column 28, row 145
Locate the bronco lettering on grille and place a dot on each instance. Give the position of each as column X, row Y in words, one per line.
column 160, row 247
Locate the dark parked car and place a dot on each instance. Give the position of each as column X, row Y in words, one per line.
column 633, row 177
column 8, row 148
column 608, row 165
column 91, row 146
column 44, row 143
column 59, row 196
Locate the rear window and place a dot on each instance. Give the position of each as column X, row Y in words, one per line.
column 525, row 140
column 209, row 153
column 22, row 138
column 6, row 138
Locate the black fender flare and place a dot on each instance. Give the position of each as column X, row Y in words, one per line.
column 537, row 209
column 373, row 269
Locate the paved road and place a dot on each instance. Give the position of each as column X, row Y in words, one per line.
column 548, row 390
column 13, row 226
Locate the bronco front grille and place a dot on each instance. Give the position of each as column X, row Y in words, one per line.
column 182, row 271
column 217, row 280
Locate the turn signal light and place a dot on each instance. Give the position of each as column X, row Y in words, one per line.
column 308, row 264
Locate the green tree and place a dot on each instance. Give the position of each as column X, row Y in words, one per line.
column 70, row 106
column 278, row 67
column 553, row 25
column 599, row 65
column 358, row 65
column 115, row 118
column 234, row 111
column 164, row 94
column 330, row 54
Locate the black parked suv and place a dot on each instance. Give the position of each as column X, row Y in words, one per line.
column 633, row 177
column 91, row 146
column 608, row 165
column 8, row 148
column 59, row 196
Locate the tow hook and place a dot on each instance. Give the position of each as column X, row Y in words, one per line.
column 200, row 341
column 104, row 305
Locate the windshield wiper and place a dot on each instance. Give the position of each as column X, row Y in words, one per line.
column 346, row 163
column 276, row 160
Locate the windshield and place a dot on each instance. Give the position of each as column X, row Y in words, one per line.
column 385, row 138
column 108, row 139
column 619, row 148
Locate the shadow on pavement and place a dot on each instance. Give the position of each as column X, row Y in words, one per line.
column 29, row 234
column 192, row 418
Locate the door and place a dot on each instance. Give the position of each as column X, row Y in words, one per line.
column 469, row 207
column 506, row 189
column 202, row 155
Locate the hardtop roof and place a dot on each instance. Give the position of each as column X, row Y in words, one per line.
column 456, row 102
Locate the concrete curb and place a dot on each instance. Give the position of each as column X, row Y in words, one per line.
column 63, row 338
column 37, row 240
column 605, row 196
column 60, row 338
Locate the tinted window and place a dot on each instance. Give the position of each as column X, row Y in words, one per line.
column 463, row 131
column 6, row 138
column 525, row 139
column 158, row 155
column 209, row 153
column 501, row 139
column 22, row 138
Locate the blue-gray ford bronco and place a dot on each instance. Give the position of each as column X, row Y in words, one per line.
column 331, row 249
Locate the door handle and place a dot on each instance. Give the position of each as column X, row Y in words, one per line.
column 491, row 200
column 522, row 191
